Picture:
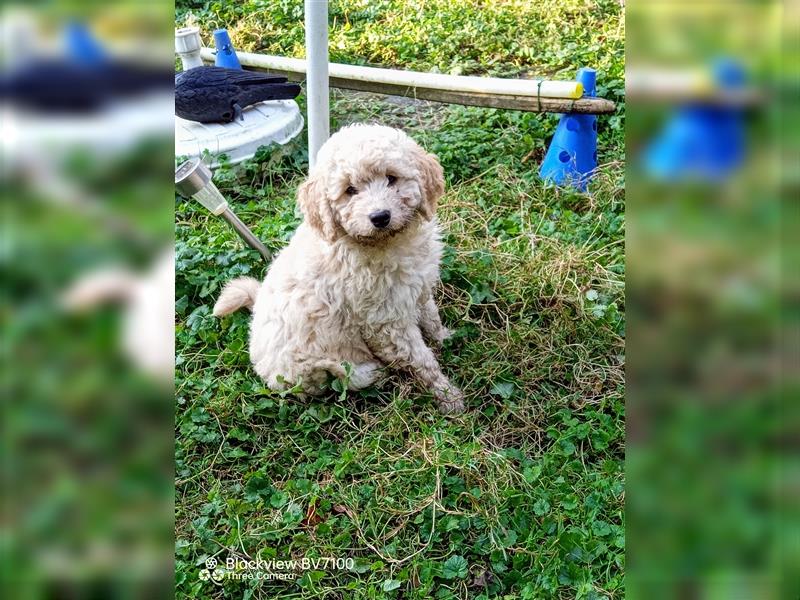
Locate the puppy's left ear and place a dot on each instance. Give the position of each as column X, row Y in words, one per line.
column 316, row 207
column 431, row 182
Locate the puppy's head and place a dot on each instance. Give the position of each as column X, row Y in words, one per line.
column 370, row 183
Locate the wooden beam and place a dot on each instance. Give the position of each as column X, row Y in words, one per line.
column 746, row 98
column 524, row 103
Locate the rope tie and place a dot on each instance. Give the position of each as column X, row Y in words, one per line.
column 539, row 96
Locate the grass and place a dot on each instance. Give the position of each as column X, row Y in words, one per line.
column 87, row 439
column 521, row 497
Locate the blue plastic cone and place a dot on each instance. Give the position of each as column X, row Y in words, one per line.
column 82, row 47
column 572, row 155
column 226, row 55
column 701, row 141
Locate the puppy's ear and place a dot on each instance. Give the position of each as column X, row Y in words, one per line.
column 431, row 182
column 314, row 203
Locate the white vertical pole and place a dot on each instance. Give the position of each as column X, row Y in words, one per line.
column 317, row 76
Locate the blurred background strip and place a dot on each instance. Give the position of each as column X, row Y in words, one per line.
column 711, row 192
column 87, row 313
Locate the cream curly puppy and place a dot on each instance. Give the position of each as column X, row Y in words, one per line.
column 355, row 284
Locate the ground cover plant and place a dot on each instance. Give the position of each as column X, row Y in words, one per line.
column 522, row 496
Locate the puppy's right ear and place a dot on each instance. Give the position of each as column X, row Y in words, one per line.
column 431, row 182
column 316, row 208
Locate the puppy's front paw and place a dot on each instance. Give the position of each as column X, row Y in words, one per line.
column 450, row 400
column 440, row 336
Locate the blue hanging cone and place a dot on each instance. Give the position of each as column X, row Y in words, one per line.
column 226, row 55
column 701, row 141
column 572, row 155
column 82, row 47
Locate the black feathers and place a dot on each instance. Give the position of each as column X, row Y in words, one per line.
column 66, row 86
column 218, row 95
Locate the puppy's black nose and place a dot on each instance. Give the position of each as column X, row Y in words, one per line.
column 380, row 218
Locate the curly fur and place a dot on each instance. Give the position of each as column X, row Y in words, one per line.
column 344, row 290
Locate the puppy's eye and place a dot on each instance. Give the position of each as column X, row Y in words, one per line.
column 351, row 191
column 391, row 179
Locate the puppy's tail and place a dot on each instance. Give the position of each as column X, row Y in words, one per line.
column 238, row 293
column 100, row 287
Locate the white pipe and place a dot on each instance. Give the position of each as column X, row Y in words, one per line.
column 187, row 46
column 663, row 81
column 317, row 91
column 455, row 83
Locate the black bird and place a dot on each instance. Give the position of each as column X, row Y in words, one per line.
column 59, row 85
column 218, row 95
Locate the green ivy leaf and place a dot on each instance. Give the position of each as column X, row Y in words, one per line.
column 390, row 584
column 531, row 474
column 278, row 499
column 456, row 567
column 601, row 528
column 503, row 389
column 541, row 507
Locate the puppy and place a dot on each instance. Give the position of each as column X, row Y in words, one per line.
column 355, row 284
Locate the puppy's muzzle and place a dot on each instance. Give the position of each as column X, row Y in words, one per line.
column 380, row 218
